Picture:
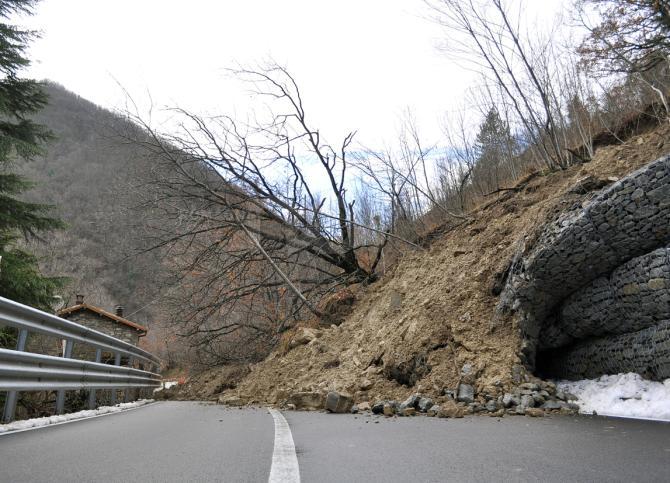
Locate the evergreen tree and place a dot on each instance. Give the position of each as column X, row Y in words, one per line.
column 20, row 140
column 494, row 144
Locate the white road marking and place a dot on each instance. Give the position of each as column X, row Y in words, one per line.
column 285, row 467
column 7, row 433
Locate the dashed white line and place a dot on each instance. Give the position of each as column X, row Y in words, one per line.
column 285, row 467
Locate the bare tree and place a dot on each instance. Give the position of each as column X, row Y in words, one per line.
column 631, row 37
column 255, row 218
column 487, row 36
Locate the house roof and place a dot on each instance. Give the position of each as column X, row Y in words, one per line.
column 103, row 313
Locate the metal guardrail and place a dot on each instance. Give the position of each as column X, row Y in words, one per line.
column 24, row 371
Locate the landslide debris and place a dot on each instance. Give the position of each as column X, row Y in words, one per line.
column 431, row 327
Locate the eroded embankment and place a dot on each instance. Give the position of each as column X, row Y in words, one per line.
column 591, row 295
column 436, row 325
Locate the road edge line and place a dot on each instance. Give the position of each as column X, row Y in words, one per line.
column 285, row 468
column 16, row 431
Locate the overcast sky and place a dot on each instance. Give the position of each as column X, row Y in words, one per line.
column 359, row 63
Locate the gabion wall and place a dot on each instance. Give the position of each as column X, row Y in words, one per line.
column 645, row 351
column 633, row 297
column 597, row 271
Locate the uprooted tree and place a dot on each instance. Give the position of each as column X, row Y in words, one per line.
column 255, row 218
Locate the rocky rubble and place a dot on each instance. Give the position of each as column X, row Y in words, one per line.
column 535, row 398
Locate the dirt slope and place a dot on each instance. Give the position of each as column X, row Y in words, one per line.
column 436, row 313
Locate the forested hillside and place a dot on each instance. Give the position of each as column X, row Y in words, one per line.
column 88, row 174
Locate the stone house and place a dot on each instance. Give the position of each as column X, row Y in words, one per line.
column 101, row 320
column 96, row 318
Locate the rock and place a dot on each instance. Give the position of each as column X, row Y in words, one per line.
column 230, row 400
column 552, row 405
column 518, row 373
column 549, row 386
column 408, row 412
column 569, row 396
column 425, row 403
column 338, row 402
column 290, row 407
column 527, row 401
column 534, row 412
column 364, row 406
column 491, row 406
column 389, row 409
column 476, row 408
column 395, row 301
column 531, row 386
column 433, row 410
column 354, row 409
column 656, row 283
column 450, row 410
column 509, row 400
column 537, row 397
column 378, row 407
column 410, row 402
column 306, row 400
column 304, row 335
column 366, row 384
column 449, row 393
column 466, row 393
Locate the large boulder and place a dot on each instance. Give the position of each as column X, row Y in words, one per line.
column 306, row 400
column 450, row 410
column 339, row 402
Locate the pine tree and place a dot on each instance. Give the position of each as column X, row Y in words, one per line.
column 20, row 140
column 494, row 145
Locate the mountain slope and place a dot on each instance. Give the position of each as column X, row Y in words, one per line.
column 87, row 174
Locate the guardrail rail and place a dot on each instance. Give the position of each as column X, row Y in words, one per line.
column 26, row 371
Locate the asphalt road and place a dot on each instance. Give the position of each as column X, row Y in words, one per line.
column 181, row 441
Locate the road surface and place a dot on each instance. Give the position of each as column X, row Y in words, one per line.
column 187, row 441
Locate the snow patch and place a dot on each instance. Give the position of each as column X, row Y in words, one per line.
column 166, row 385
column 63, row 418
column 622, row 395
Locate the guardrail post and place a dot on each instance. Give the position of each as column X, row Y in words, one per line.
column 117, row 362
column 12, row 396
column 91, row 392
column 60, row 395
column 127, row 394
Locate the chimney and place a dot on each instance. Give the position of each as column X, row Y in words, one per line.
column 80, row 298
column 119, row 310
